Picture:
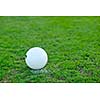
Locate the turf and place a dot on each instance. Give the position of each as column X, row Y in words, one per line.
column 72, row 44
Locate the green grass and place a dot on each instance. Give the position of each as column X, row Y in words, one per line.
column 72, row 44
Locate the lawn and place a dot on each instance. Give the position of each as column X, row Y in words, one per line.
column 72, row 44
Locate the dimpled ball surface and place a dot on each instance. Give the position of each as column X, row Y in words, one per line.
column 36, row 58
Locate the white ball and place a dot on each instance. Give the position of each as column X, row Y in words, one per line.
column 36, row 58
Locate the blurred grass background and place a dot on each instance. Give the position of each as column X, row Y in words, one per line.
column 72, row 44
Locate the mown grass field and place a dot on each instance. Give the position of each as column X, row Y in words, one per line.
column 72, row 44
